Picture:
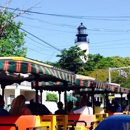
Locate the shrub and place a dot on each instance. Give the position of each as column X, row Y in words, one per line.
column 51, row 97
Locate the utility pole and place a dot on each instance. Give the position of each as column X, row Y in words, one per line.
column 110, row 69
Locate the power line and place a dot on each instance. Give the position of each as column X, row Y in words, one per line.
column 110, row 48
column 40, row 39
column 36, row 46
column 111, row 45
column 78, row 17
column 72, row 26
column 44, row 41
column 111, row 41
column 33, row 35
column 37, row 51
column 37, row 42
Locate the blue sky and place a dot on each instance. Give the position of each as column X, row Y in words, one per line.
column 107, row 22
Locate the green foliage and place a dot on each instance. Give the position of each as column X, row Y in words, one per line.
column 97, row 61
column 96, row 66
column 70, row 59
column 56, row 64
column 11, row 39
column 51, row 97
column 100, row 74
column 120, row 62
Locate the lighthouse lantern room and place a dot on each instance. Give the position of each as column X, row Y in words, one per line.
column 81, row 40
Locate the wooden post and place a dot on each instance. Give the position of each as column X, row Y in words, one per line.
column 93, row 100
column 59, row 92
column 65, row 99
column 121, row 98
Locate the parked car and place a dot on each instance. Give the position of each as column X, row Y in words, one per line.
column 115, row 122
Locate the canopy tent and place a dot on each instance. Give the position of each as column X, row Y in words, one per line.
column 13, row 68
column 99, row 90
column 59, row 86
column 87, row 86
column 81, row 86
column 19, row 69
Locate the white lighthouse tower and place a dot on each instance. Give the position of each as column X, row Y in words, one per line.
column 82, row 41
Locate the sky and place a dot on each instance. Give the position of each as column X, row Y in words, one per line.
column 55, row 23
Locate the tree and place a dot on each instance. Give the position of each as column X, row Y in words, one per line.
column 11, row 38
column 96, row 66
column 97, row 61
column 51, row 97
column 71, row 59
column 100, row 74
column 56, row 64
column 120, row 62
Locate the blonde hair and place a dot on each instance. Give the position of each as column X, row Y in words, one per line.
column 17, row 105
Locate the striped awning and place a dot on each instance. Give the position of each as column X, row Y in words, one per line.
column 17, row 69
column 54, row 86
column 99, row 90
column 59, row 86
column 102, row 87
column 81, row 86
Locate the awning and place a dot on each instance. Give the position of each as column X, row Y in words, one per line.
column 59, row 86
column 52, row 86
column 18, row 69
column 79, row 85
column 100, row 87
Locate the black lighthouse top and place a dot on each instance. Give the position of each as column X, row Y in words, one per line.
column 81, row 36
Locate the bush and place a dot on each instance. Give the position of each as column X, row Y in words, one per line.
column 51, row 97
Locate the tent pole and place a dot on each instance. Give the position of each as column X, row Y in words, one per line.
column 3, row 89
column 41, row 95
column 37, row 79
column 93, row 100
column 107, row 100
column 121, row 98
column 65, row 99
column 59, row 95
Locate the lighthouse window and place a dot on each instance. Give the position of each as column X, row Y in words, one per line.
column 81, row 31
column 84, row 51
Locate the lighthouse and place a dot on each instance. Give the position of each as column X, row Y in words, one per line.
column 82, row 41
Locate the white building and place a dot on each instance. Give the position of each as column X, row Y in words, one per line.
column 82, row 41
column 12, row 91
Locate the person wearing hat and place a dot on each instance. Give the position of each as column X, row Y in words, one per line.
column 18, row 107
column 3, row 112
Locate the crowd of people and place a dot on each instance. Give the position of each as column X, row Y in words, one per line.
column 81, row 107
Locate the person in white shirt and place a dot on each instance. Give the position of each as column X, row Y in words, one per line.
column 85, row 110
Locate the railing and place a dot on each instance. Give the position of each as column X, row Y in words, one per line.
column 53, row 122
column 39, row 128
column 61, row 122
column 46, row 121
